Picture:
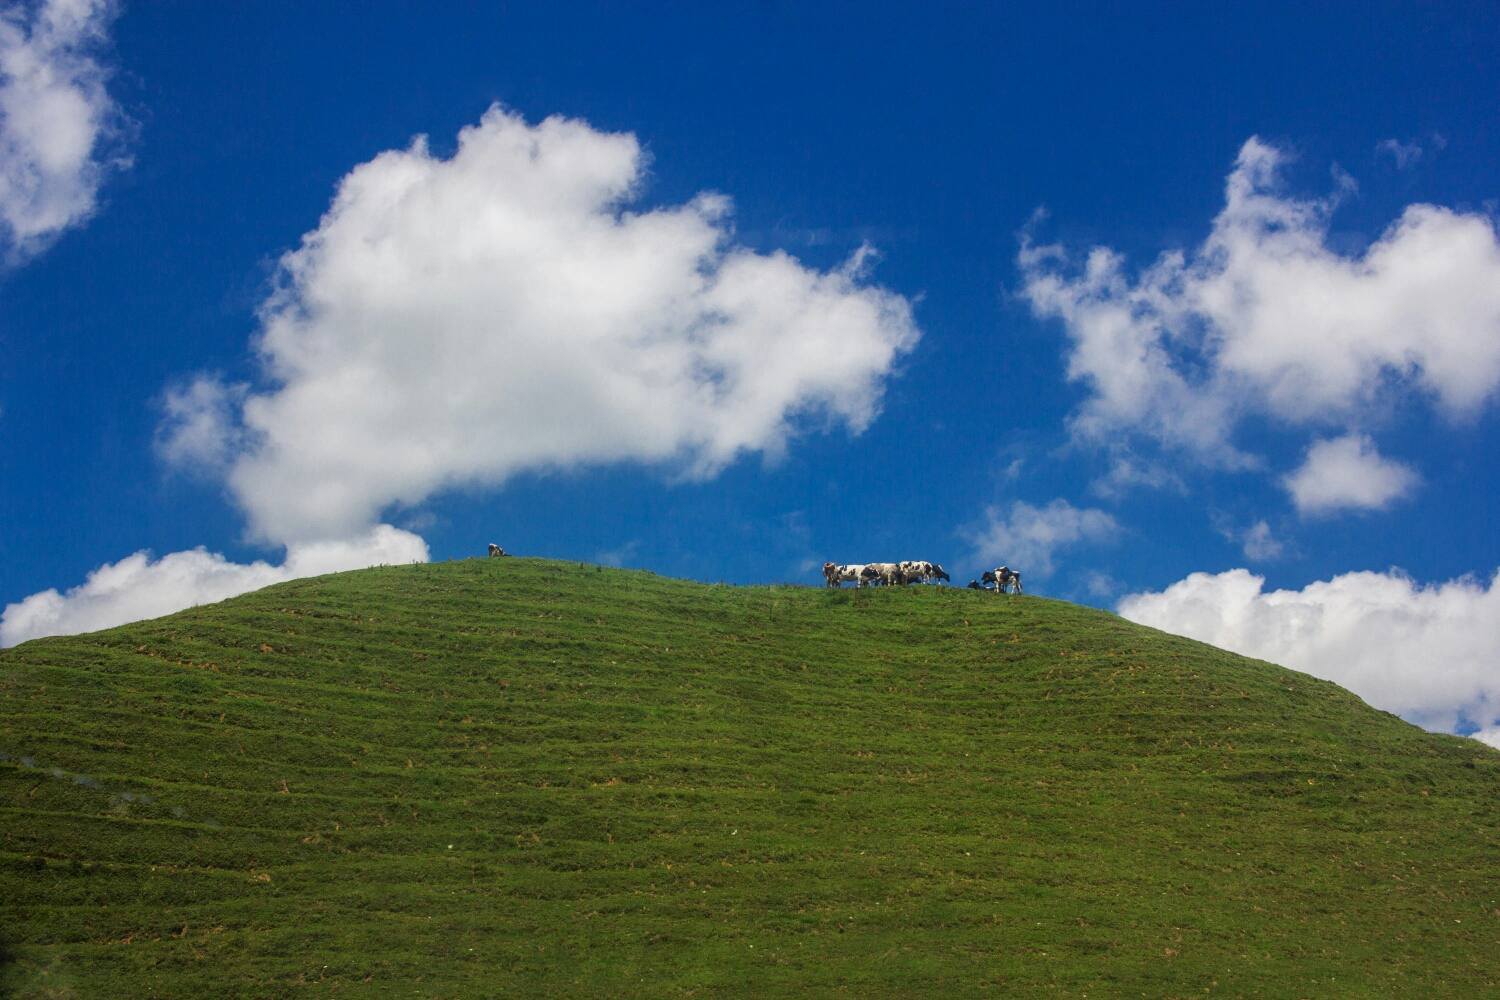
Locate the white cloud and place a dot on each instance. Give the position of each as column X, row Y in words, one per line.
column 1348, row 472
column 1406, row 154
column 1026, row 537
column 456, row 321
column 55, row 118
column 1265, row 318
column 1259, row 544
column 1489, row 735
column 1101, row 584
column 198, row 429
column 1127, row 471
column 136, row 587
column 618, row 557
column 1428, row 653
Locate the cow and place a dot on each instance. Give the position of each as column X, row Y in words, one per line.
column 496, row 550
column 1004, row 577
column 835, row 575
column 974, row 585
column 889, row 574
column 921, row 571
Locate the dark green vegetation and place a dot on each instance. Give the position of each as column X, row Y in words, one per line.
column 527, row 778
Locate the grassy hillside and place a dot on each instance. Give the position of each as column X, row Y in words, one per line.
column 529, row 778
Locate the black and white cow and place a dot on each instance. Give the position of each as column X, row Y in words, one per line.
column 888, row 574
column 921, row 571
column 835, row 575
column 496, row 550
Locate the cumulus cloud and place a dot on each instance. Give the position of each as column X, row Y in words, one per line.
column 1264, row 318
column 456, row 321
column 1427, row 653
column 1489, row 735
column 56, row 119
column 1025, row 537
column 1348, row 472
column 138, row 587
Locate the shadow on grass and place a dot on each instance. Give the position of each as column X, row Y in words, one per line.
column 7, row 966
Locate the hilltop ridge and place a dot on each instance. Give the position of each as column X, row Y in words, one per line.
column 521, row 776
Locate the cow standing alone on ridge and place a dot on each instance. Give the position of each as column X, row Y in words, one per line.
column 496, row 550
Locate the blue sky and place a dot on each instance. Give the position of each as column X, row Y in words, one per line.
column 948, row 399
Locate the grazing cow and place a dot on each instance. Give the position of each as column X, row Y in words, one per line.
column 921, row 571
column 496, row 550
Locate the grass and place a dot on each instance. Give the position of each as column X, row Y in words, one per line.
column 529, row 778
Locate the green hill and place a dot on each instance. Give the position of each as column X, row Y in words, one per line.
column 524, row 778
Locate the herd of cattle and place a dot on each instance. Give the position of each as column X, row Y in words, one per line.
column 914, row 571
column 895, row 574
